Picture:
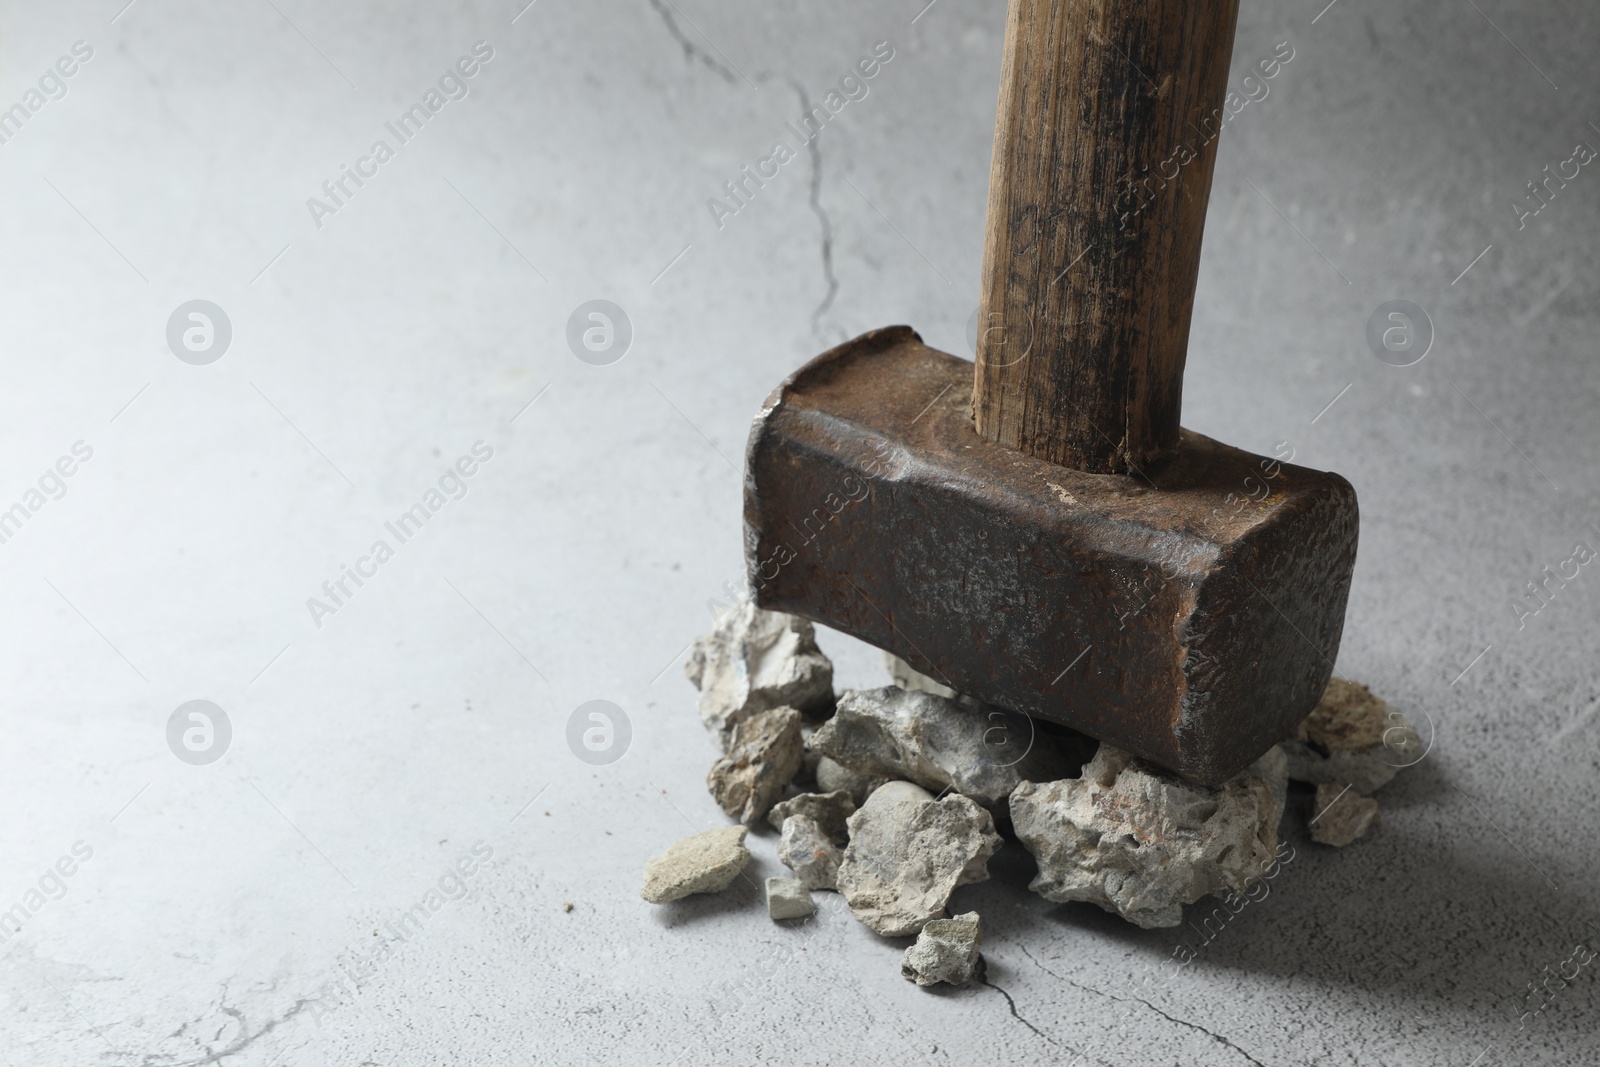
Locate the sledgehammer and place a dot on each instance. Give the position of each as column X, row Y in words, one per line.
column 1036, row 530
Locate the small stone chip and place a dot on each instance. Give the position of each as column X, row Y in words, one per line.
column 946, row 951
column 1341, row 816
column 807, row 850
column 760, row 764
column 704, row 863
column 788, row 899
column 1352, row 738
column 827, row 810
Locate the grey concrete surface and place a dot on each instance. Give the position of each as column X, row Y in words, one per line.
column 373, row 748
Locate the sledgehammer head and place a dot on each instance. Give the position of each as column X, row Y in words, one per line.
column 1189, row 614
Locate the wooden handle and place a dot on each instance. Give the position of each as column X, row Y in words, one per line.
column 1104, row 144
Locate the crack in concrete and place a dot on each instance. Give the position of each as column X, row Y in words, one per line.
column 815, row 152
column 245, row 1039
column 1218, row 1038
column 691, row 51
column 1013, row 1006
column 1077, row 1054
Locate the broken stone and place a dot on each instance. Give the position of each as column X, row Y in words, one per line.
column 1074, row 749
column 1352, row 738
column 828, row 810
column 1341, row 817
column 833, row 777
column 946, row 951
column 788, row 899
column 704, row 863
column 759, row 766
column 937, row 743
column 908, row 852
column 1141, row 842
column 755, row 660
column 806, row 849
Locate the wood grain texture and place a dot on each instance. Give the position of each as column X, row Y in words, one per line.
column 1104, row 146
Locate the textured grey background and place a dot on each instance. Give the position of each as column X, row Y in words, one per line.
column 371, row 753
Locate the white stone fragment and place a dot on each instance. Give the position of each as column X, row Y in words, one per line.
column 788, row 899
column 810, row 852
column 1341, row 816
column 759, row 766
column 704, row 863
column 908, row 852
column 1352, row 738
column 947, row 950
column 1141, row 842
column 937, row 743
column 754, row 660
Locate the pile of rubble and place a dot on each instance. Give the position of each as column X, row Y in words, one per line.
column 892, row 797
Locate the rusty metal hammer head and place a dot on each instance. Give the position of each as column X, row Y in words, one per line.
column 1036, row 530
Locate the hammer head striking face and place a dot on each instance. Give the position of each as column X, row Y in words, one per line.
column 1190, row 614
